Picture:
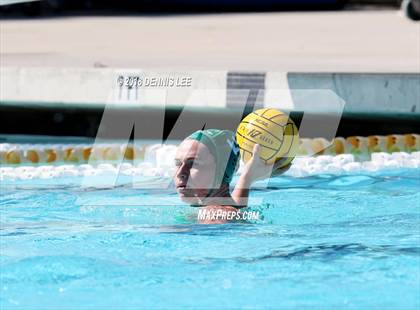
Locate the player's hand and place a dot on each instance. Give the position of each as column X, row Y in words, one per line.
column 256, row 168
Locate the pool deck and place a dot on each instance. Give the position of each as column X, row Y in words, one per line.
column 369, row 59
column 331, row 41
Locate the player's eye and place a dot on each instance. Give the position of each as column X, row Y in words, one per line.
column 191, row 163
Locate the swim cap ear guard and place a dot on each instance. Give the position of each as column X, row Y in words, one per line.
column 222, row 145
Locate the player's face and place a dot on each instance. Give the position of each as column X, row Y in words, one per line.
column 195, row 171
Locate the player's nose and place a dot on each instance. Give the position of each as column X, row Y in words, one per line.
column 182, row 172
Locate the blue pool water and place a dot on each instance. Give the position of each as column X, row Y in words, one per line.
column 323, row 242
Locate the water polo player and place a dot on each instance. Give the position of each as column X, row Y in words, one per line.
column 205, row 164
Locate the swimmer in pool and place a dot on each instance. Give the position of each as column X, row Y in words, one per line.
column 205, row 164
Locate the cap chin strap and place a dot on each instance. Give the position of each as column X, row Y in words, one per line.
column 200, row 202
column 211, row 192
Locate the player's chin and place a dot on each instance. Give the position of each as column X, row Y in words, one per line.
column 192, row 196
column 187, row 197
column 189, row 200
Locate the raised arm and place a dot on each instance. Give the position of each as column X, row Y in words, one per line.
column 255, row 169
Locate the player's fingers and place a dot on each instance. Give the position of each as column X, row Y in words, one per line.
column 256, row 151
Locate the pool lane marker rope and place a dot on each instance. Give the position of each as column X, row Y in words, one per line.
column 342, row 164
column 44, row 154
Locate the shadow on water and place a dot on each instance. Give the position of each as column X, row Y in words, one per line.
column 323, row 252
column 335, row 251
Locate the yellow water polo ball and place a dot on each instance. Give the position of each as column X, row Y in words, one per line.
column 274, row 131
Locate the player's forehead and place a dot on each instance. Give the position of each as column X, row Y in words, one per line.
column 192, row 149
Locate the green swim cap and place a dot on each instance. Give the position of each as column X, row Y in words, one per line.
column 222, row 145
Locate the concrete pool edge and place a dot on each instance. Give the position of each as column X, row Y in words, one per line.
column 363, row 92
column 71, row 101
